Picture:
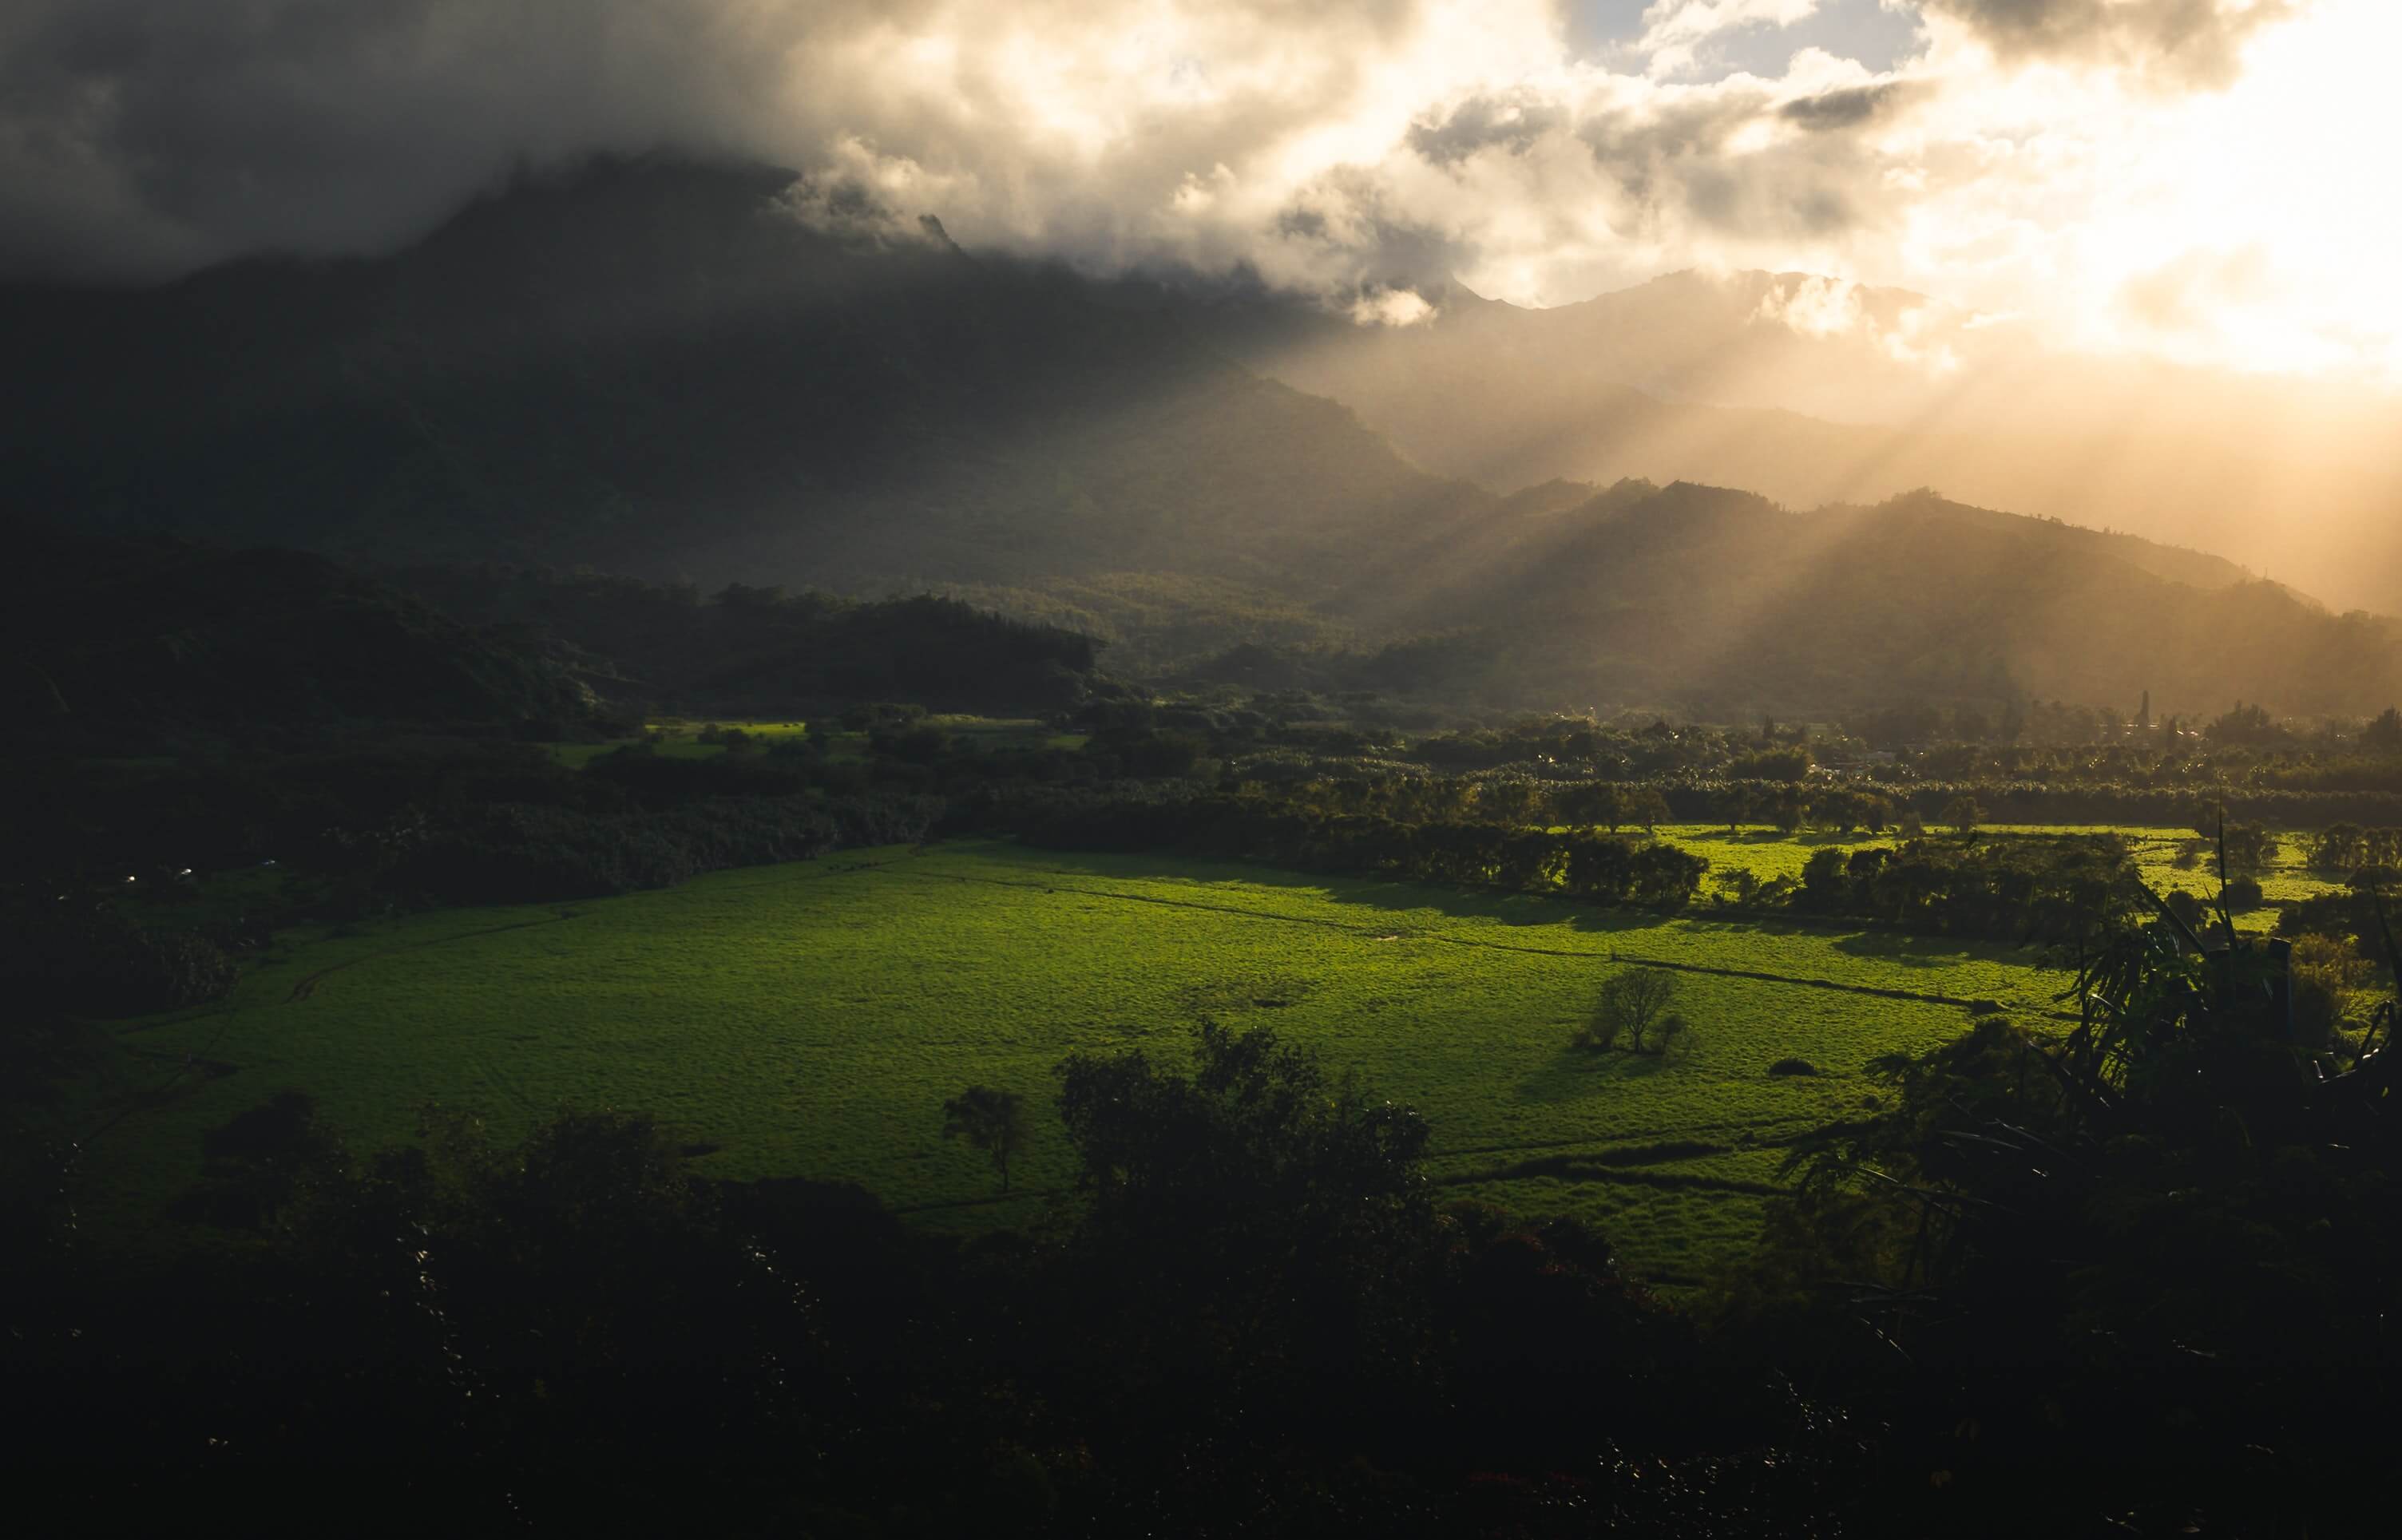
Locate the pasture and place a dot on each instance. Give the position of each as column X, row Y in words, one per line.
column 810, row 1019
column 2167, row 858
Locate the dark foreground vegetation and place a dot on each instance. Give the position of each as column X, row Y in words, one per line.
column 2129, row 1277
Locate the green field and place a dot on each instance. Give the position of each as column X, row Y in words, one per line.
column 2158, row 853
column 810, row 1019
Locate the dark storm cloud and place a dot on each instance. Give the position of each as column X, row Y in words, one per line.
column 140, row 136
column 1347, row 221
column 2193, row 44
column 1848, row 109
column 1512, row 122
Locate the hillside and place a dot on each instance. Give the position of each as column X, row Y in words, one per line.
column 1812, row 392
column 1723, row 602
column 108, row 636
column 659, row 369
column 664, row 648
column 706, row 375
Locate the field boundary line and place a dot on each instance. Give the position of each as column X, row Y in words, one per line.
column 1605, row 1146
column 306, row 988
column 1567, row 1168
column 1874, row 991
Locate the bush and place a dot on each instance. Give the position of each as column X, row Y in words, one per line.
column 1792, row 1067
column 82, row 956
column 2243, row 893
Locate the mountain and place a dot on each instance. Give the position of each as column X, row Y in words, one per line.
column 672, row 371
column 661, row 368
column 1725, row 604
column 1813, row 391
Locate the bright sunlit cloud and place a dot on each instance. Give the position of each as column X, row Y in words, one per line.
column 2202, row 180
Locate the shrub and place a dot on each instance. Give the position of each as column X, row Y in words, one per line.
column 2243, row 893
column 1792, row 1067
column 81, row 956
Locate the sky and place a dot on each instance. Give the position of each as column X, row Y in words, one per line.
column 2200, row 180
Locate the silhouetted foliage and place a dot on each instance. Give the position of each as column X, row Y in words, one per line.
column 993, row 1122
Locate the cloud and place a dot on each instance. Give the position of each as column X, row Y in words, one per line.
column 1391, row 308
column 2182, row 44
column 1904, row 329
column 1674, row 31
column 144, row 135
column 1513, row 122
column 1371, row 149
column 1846, row 108
column 2192, row 290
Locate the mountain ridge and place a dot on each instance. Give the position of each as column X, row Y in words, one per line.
column 678, row 370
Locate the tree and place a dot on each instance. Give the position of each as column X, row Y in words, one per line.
column 1825, row 882
column 1636, row 1007
column 1254, row 1218
column 2101, row 1202
column 1647, row 807
column 2250, row 848
column 1962, row 813
column 992, row 1121
column 2384, row 733
column 1593, row 802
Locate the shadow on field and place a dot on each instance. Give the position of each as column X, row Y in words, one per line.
column 1905, row 950
column 1571, row 1076
column 1529, row 909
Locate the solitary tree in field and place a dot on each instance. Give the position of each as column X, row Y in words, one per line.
column 1962, row 813
column 992, row 1121
column 1637, row 1008
column 1647, row 807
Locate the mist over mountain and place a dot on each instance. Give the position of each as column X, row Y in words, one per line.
column 675, row 370
column 1812, row 391
column 1726, row 604
column 654, row 367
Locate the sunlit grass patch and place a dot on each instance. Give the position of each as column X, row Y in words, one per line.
column 810, row 1019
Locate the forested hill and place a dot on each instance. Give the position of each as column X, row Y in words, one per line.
column 668, row 370
column 108, row 637
column 749, row 650
column 1724, row 602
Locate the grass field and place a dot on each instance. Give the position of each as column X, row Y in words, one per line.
column 2158, row 853
column 810, row 1019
